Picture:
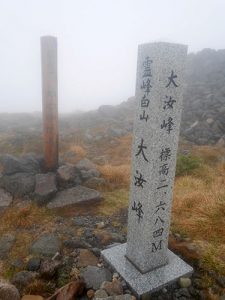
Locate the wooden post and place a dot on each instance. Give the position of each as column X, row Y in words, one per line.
column 50, row 101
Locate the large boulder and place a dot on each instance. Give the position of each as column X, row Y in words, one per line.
column 8, row 292
column 5, row 199
column 19, row 184
column 46, row 245
column 45, row 187
column 68, row 175
column 75, row 195
column 10, row 164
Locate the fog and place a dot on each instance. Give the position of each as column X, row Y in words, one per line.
column 97, row 45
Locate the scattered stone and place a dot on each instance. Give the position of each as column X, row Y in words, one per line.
column 6, row 243
column 18, row 263
column 68, row 175
column 33, row 264
column 100, row 294
column 46, row 245
column 90, row 294
column 49, row 268
column 8, row 292
column 87, row 258
column 45, row 187
column 25, row 164
column 19, row 184
column 5, row 199
column 94, row 276
column 100, row 225
column 184, row 282
column 113, row 288
column 89, row 174
column 74, row 195
column 181, row 294
column 23, row 278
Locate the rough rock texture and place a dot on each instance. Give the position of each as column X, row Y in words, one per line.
column 6, row 243
column 74, row 195
column 68, row 176
column 94, row 276
column 47, row 245
column 5, row 199
column 49, row 268
column 86, row 258
column 19, row 184
column 8, row 292
column 10, row 164
column 85, row 164
column 45, row 187
column 94, row 182
column 113, row 288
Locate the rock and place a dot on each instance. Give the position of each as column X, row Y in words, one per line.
column 90, row 294
column 32, row 297
column 94, row 182
column 100, row 225
column 100, row 294
column 5, row 199
column 23, row 278
column 85, row 164
column 74, row 195
column 181, row 294
column 45, row 187
column 47, row 245
column 8, row 292
column 17, row 264
column 19, row 184
column 26, row 164
column 49, row 268
column 94, row 276
column 89, row 174
column 113, row 288
column 184, row 282
column 68, row 176
column 86, row 258
column 33, row 264
column 6, row 243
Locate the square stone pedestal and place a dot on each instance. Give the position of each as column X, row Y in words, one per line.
column 152, row 281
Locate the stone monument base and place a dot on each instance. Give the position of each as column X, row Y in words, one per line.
column 152, row 281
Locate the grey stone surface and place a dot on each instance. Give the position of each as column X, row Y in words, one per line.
column 8, row 292
column 19, row 184
column 45, row 187
column 46, row 245
column 68, row 175
column 25, row 164
column 159, row 88
column 74, row 195
column 85, row 164
column 23, row 278
column 6, row 243
column 5, row 199
column 94, row 276
column 142, row 284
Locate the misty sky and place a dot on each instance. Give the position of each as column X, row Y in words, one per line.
column 97, row 45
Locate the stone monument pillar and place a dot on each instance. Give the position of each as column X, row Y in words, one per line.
column 50, row 101
column 145, row 261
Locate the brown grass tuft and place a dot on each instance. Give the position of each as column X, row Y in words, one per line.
column 116, row 175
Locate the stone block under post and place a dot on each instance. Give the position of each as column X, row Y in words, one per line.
column 145, row 262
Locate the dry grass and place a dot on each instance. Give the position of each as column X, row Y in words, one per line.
column 78, row 150
column 118, row 176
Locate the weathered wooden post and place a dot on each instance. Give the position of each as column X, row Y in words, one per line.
column 145, row 261
column 50, row 101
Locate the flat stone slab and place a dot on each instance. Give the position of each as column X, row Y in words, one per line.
column 152, row 281
column 74, row 195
